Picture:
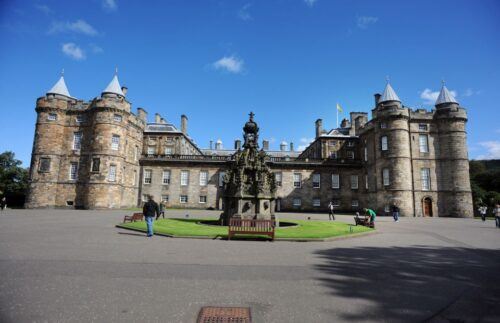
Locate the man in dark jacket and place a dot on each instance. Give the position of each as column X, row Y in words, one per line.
column 395, row 212
column 150, row 209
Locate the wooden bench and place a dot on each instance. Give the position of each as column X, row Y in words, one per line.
column 365, row 222
column 256, row 227
column 134, row 217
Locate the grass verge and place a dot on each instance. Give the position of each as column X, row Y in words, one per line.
column 304, row 229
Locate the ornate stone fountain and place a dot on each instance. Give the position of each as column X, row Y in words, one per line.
column 249, row 185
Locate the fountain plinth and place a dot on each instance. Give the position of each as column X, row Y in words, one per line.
column 249, row 185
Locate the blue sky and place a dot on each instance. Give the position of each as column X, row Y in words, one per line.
column 289, row 61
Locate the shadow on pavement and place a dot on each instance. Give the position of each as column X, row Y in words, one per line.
column 414, row 284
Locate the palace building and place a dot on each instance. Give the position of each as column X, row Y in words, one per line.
column 99, row 154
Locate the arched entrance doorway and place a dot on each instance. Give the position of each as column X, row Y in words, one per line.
column 427, row 206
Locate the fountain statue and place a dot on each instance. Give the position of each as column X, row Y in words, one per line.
column 249, row 184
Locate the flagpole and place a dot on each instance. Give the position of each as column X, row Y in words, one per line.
column 337, row 109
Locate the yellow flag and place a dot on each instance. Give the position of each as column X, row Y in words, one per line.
column 339, row 108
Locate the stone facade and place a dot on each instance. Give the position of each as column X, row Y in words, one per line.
column 416, row 159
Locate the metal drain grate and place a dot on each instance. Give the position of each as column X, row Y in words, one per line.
column 210, row 314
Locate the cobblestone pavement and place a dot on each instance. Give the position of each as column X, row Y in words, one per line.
column 75, row 266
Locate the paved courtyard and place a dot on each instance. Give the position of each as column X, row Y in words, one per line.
column 75, row 266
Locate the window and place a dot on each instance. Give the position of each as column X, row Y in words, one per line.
column 335, row 181
column 366, row 181
column 316, row 202
column 52, row 117
column 203, row 199
column 387, row 209
column 135, row 177
column 168, row 150
column 385, row 177
column 383, row 125
column 115, row 142
column 221, row 178
column 332, row 143
column 170, row 139
column 77, row 140
column 336, row 203
column 147, row 176
column 166, row 177
column 151, row 150
column 297, row 180
column 425, row 177
column 183, row 199
column 164, row 198
column 350, row 154
column 316, row 180
column 333, row 155
column 144, row 197
column 96, row 163
column 44, row 165
column 297, row 202
column 422, row 126
column 184, row 178
column 73, row 171
column 117, row 118
column 80, row 119
column 354, row 203
column 203, row 178
column 354, row 182
column 366, row 153
column 278, row 177
column 350, row 144
column 112, row 173
column 136, row 153
column 383, row 143
column 423, row 143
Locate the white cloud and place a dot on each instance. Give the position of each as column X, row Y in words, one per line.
column 471, row 92
column 44, row 8
column 73, row 51
column 310, row 3
column 430, row 96
column 95, row 49
column 231, row 64
column 493, row 150
column 364, row 21
column 79, row 26
column 109, row 5
column 243, row 13
column 305, row 142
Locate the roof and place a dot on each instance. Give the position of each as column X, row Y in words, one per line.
column 60, row 88
column 114, row 87
column 161, row 127
column 389, row 94
column 336, row 133
column 445, row 96
column 229, row 152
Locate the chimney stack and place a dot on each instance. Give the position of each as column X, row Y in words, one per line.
column 157, row 118
column 377, row 98
column 237, row 144
column 142, row 114
column 184, row 124
column 218, row 144
column 163, row 121
column 283, row 146
column 124, row 90
column 291, row 146
column 319, row 127
column 265, row 144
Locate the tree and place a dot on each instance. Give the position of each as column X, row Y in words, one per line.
column 13, row 179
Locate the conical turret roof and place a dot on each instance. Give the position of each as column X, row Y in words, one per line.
column 60, row 88
column 445, row 96
column 114, row 87
column 389, row 94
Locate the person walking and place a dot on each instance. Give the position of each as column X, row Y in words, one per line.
column 482, row 210
column 395, row 212
column 3, row 203
column 496, row 212
column 331, row 215
column 150, row 209
column 162, row 210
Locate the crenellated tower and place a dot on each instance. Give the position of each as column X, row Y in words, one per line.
column 455, row 196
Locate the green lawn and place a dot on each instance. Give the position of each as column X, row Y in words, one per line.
column 305, row 229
